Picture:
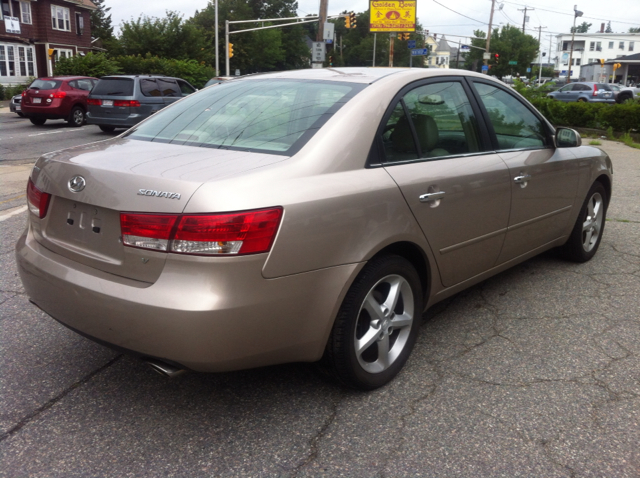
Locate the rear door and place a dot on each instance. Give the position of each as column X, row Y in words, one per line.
column 457, row 188
column 151, row 99
column 543, row 179
column 566, row 93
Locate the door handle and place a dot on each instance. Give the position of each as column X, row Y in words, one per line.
column 432, row 196
column 523, row 178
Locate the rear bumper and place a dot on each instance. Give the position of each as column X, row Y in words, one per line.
column 47, row 112
column 116, row 122
column 210, row 316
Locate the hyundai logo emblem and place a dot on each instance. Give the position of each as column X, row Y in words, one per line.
column 76, row 184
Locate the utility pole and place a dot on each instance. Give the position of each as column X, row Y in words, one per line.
column 217, row 51
column 373, row 63
column 577, row 13
column 540, row 53
column 493, row 6
column 524, row 20
column 324, row 6
column 391, row 38
column 458, row 54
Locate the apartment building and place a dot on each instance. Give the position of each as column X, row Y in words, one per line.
column 34, row 34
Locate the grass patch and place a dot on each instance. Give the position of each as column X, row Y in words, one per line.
column 628, row 140
column 595, row 142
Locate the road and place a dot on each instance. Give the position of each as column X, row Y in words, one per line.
column 535, row 372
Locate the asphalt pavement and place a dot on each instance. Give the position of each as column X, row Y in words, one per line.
column 533, row 373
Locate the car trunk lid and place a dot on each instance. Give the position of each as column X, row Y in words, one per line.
column 124, row 175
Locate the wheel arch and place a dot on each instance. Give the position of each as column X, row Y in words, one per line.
column 606, row 183
column 416, row 256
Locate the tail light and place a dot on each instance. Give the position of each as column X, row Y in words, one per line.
column 246, row 232
column 94, row 102
column 595, row 90
column 24, row 93
column 58, row 94
column 129, row 103
column 37, row 201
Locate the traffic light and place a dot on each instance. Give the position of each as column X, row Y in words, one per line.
column 616, row 66
column 51, row 52
column 330, row 60
column 347, row 21
column 352, row 20
column 601, row 61
column 230, row 50
column 497, row 57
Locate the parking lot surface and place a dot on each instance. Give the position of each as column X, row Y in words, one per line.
column 535, row 372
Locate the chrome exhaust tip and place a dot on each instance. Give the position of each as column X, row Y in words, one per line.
column 164, row 368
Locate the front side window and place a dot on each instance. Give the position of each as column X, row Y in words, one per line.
column 515, row 126
column 270, row 116
column 441, row 117
column 25, row 12
column 60, row 19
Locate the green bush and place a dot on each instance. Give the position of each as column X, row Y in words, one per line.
column 621, row 117
column 91, row 64
column 8, row 92
column 99, row 65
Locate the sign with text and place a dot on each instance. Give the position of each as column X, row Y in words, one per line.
column 318, row 51
column 12, row 24
column 420, row 52
column 327, row 32
column 513, row 62
column 392, row 16
column 411, row 44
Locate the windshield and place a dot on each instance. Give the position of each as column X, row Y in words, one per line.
column 270, row 115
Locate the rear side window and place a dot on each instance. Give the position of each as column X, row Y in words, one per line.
column 169, row 87
column 271, row 116
column 45, row 85
column 149, row 87
column 114, row 87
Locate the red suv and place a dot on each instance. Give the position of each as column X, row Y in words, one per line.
column 58, row 97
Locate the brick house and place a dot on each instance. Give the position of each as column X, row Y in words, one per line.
column 30, row 29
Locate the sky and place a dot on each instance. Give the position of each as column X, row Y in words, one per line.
column 456, row 20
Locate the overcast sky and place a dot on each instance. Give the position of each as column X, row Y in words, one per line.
column 436, row 17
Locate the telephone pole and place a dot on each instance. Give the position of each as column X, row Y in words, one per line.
column 540, row 53
column 524, row 20
column 486, row 60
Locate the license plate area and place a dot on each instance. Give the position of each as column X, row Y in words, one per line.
column 37, row 100
column 107, row 102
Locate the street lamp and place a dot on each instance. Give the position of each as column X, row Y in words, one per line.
column 577, row 13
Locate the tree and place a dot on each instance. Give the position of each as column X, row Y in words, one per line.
column 608, row 30
column 634, row 30
column 101, row 27
column 168, row 37
column 582, row 28
column 511, row 45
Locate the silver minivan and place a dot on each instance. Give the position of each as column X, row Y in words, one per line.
column 123, row 101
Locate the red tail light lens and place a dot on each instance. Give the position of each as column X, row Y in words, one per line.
column 129, row 103
column 247, row 232
column 59, row 94
column 24, row 93
column 94, row 102
column 37, row 201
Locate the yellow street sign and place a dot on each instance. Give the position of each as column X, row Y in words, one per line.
column 392, row 16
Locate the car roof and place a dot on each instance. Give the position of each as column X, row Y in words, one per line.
column 142, row 76
column 65, row 78
column 358, row 74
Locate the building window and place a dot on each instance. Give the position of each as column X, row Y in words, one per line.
column 631, row 46
column 60, row 18
column 599, row 46
column 63, row 53
column 610, row 45
column 592, row 46
column 25, row 12
column 6, row 9
column 578, row 62
column 621, row 45
column 30, row 66
column 79, row 23
column 17, row 60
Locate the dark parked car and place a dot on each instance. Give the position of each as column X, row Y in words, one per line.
column 58, row 97
column 585, row 91
column 123, row 101
column 15, row 106
column 627, row 93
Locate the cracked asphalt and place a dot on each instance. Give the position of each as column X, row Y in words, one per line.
column 533, row 373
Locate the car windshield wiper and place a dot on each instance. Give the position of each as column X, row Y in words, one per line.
column 116, row 93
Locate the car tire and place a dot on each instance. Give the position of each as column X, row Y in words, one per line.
column 76, row 117
column 581, row 100
column 587, row 232
column 365, row 350
column 624, row 96
column 107, row 129
column 38, row 121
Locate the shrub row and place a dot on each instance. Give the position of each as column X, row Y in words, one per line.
column 621, row 117
column 99, row 65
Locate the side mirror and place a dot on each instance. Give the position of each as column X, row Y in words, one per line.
column 567, row 138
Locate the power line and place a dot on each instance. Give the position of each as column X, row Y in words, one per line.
column 569, row 14
column 461, row 14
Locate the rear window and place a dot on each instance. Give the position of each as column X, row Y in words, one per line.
column 114, row 87
column 272, row 116
column 45, row 84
